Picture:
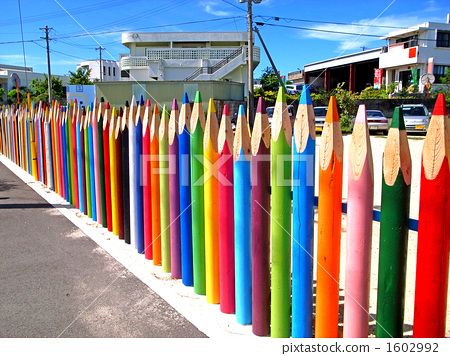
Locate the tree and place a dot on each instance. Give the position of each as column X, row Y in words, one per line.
column 2, row 93
column 39, row 89
column 12, row 95
column 269, row 80
column 80, row 77
column 445, row 79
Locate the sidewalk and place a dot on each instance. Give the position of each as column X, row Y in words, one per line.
column 54, row 280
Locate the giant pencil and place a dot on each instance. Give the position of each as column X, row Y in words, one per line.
column 113, row 172
column 118, row 159
column 164, row 190
column 281, row 218
column 132, row 169
column 174, row 193
column 304, row 152
column 154, row 176
column 146, row 183
column 96, row 161
column 185, row 192
column 329, row 230
column 242, row 219
column 431, row 292
column 80, row 159
column 395, row 195
column 101, row 162
column 106, row 165
column 260, row 205
column 137, row 183
column 359, row 230
column 197, row 197
column 48, row 154
column 87, row 164
column 211, row 155
column 226, row 214
column 92, row 163
column 125, row 176
column 74, row 155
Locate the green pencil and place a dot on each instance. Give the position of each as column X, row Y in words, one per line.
column 197, row 195
column 281, row 218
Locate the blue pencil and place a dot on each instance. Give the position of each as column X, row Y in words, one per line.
column 242, row 219
column 185, row 192
column 303, row 217
column 91, row 165
column 138, row 207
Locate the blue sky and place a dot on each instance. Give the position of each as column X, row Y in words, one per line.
column 290, row 48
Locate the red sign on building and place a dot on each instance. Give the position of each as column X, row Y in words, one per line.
column 378, row 78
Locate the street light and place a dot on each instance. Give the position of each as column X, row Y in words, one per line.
column 250, row 104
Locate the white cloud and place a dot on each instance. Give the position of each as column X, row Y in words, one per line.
column 363, row 26
column 213, row 8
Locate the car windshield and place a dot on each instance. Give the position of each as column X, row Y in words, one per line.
column 414, row 111
column 374, row 114
column 320, row 111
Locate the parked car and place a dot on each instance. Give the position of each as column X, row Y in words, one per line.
column 270, row 109
column 320, row 112
column 377, row 121
column 294, row 88
column 417, row 117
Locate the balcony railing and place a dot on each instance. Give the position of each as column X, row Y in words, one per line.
column 192, row 53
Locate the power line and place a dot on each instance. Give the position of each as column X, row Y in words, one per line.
column 234, row 5
column 23, row 44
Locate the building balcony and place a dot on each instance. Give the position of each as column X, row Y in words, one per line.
column 399, row 54
column 181, row 54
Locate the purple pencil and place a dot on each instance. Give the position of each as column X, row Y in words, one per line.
column 174, row 186
column 260, row 173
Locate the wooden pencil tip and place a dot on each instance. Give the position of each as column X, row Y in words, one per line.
column 174, row 104
column 185, row 98
column 361, row 115
column 226, row 110
column 211, row 106
column 261, row 108
column 198, row 97
column 305, row 97
column 398, row 122
column 155, row 110
column 332, row 113
column 281, row 96
column 440, row 107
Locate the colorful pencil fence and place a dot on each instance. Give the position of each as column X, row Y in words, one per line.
column 214, row 199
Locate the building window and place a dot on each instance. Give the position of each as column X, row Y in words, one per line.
column 114, row 71
column 439, row 72
column 125, row 74
column 109, row 71
column 443, row 39
column 410, row 41
column 104, row 70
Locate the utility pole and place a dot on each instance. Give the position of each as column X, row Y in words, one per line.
column 47, row 29
column 100, row 49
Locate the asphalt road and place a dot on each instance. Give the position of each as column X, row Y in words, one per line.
column 54, row 280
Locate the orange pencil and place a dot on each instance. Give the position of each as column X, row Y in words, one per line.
column 329, row 235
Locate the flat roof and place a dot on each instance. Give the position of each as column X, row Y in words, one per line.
column 130, row 37
column 343, row 60
column 425, row 26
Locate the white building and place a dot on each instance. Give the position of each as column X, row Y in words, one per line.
column 12, row 76
column 111, row 70
column 410, row 53
column 186, row 56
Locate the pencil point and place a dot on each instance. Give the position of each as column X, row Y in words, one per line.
column 211, row 106
column 332, row 113
column 397, row 119
column 281, row 97
column 361, row 115
column 174, row 104
column 226, row 110
column 241, row 111
column 305, row 97
column 185, row 98
column 198, row 97
column 261, row 108
column 440, row 108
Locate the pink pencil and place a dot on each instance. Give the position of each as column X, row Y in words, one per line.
column 359, row 230
column 98, row 201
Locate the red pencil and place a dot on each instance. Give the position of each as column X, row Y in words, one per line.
column 434, row 228
column 226, row 216
column 146, row 182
